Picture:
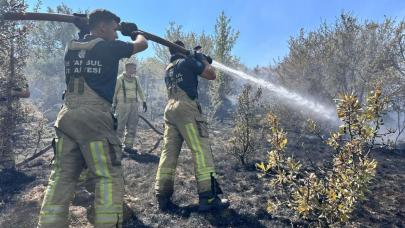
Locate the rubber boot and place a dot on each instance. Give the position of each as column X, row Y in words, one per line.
column 130, row 150
column 165, row 203
column 210, row 202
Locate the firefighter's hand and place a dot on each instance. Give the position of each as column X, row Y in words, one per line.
column 128, row 29
column 197, row 48
column 144, row 106
column 113, row 108
column 17, row 92
column 209, row 59
column 14, row 93
column 81, row 24
column 199, row 57
column 202, row 57
column 135, row 34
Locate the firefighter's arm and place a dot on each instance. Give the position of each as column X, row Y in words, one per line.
column 130, row 29
column 21, row 93
column 140, row 44
column 140, row 91
column 208, row 72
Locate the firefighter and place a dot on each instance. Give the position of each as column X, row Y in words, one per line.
column 85, row 125
column 184, row 121
column 128, row 94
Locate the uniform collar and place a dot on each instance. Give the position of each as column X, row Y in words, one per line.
column 90, row 37
column 127, row 78
column 176, row 56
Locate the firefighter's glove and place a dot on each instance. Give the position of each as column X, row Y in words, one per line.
column 129, row 29
column 200, row 57
column 80, row 22
column 197, row 48
column 14, row 93
column 113, row 108
column 209, row 59
column 144, row 106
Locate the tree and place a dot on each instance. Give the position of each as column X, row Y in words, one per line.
column 225, row 38
column 150, row 72
column 45, row 65
column 245, row 138
column 13, row 54
column 348, row 56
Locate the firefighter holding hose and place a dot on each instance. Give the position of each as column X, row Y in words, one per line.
column 184, row 121
column 85, row 125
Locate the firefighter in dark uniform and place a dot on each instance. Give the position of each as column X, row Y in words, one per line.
column 85, row 126
column 184, row 121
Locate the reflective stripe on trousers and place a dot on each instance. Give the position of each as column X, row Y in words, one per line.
column 203, row 172
column 50, row 213
column 106, row 212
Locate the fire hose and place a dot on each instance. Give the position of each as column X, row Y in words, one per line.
column 71, row 18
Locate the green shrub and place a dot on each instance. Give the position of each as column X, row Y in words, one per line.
column 244, row 140
column 330, row 195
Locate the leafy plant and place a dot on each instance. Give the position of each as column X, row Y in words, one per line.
column 329, row 194
column 244, row 139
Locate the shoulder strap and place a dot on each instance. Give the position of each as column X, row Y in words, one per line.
column 172, row 64
column 75, row 45
column 123, row 89
column 136, row 88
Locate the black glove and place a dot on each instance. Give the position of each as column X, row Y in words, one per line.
column 200, row 57
column 114, row 108
column 145, row 107
column 197, row 48
column 209, row 59
column 81, row 23
column 128, row 29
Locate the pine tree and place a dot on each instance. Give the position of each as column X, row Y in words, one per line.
column 225, row 39
column 13, row 53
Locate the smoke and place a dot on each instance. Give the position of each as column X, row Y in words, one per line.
column 294, row 100
column 394, row 121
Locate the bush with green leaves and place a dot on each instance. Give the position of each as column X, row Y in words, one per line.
column 328, row 194
column 245, row 137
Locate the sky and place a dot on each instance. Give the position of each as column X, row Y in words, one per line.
column 265, row 26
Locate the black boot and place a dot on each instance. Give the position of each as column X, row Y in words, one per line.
column 209, row 202
column 130, row 150
column 165, row 203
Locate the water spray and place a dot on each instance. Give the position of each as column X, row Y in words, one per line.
column 296, row 99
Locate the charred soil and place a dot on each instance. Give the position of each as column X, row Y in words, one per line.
column 22, row 191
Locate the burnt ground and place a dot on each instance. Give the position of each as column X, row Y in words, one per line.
column 22, row 192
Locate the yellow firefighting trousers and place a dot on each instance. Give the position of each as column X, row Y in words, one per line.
column 127, row 116
column 85, row 136
column 184, row 122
